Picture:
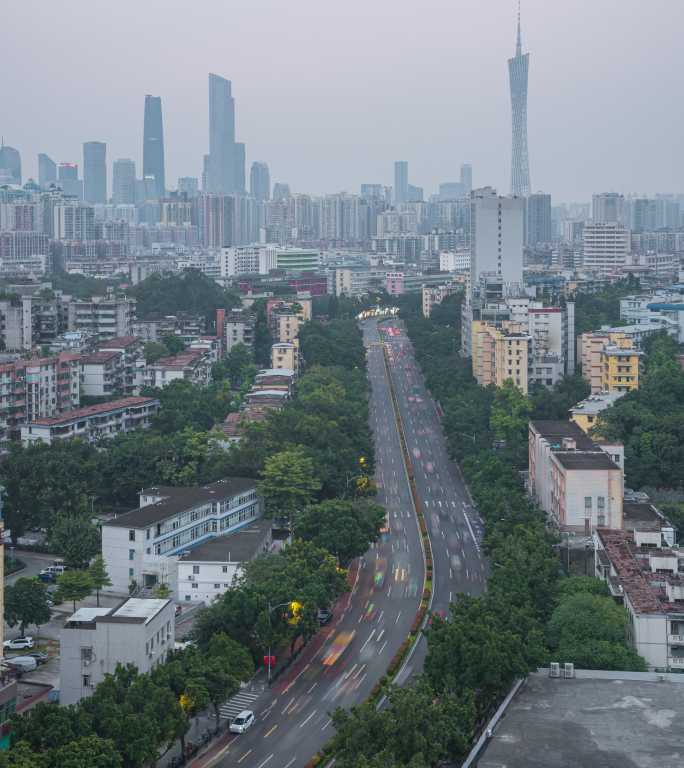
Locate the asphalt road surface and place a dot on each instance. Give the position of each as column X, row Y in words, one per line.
column 293, row 717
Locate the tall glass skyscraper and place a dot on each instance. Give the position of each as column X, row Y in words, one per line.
column 123, row 182
column 518, row 68
column 47, row 170
column 10, row 163
column 222, row 173
column 153, row 144
column 401, row 183
column 95, row 172
column 260, row 181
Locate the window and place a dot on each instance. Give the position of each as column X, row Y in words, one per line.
column 587, row 502
column 131, row 554
column 147, row 533
column 195, row 568
column 86, row 681
column 195, row 586
column 601, row 503
column 86, row 654
column 224, row 568
column 131, row 535
column 187, row 598
column 131, row 573
column 217, row 586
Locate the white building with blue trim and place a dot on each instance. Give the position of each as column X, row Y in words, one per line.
column 143, row 546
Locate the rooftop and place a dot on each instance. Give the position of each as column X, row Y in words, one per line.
column 182, row 360
column 554, row 432
column 179, row 499
column 597, row 720
column 284, row 372
column 100, row 357
column 590, row 460
column 642, row 516
column 121, row 342
column 237, row 547
column 596, row 403
column 134, row 610
column 95, row 410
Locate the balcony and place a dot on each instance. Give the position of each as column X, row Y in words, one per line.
column 675, row 639
column 676, row 661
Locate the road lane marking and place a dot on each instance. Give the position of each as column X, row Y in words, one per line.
column 382, row 648
column 396, row 621
column 370, row 637
column 266, row 760
column 290, row 763
column 312, row 687
column 326, row 725
column 245, row 755
column 287, row 706
column 270, row 731
column 301, row 725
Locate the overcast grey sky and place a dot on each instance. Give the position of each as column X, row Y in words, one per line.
column 331, row 92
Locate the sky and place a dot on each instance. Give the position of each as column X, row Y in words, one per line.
column 330, row 92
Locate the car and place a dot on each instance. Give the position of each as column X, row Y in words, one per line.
column 324, row 616
column 52, row 572
column 18, row 644
column 22, row 663
column 40, row 656
column 243, row 722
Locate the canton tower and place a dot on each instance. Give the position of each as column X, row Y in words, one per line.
column 518, row 68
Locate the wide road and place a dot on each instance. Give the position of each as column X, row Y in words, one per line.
column 454, row 527
column 293, row 720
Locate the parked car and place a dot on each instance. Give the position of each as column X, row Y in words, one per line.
column 243, row 722
column 324, row 616
column 51, row 572
column 18, row 644
column 40, row 656
column 22, row 663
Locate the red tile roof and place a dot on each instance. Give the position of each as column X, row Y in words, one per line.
column 94, row 410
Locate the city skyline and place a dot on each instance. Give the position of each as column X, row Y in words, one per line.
column 321, row 140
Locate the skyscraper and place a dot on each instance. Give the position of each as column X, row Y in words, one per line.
column 518, row 68
column 10, row 163
column 239, row 168
column 95, row 172
column 67, row 176
column 221, row 171
column 401, row 185
column 467, row 177
column 608, row 208
column 260, row 181
column 153, row 144
column 47, row 171
column 123, row 182
column 188, row 186
column 538, row 228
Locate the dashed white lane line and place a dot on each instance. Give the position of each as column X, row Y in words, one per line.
column 303, row 723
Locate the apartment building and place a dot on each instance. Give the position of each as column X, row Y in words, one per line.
column 239, row 329
column 577, row 482
column 93, row 422
column 209, row 570
column 94, row 641
column 102, row 374
column 285, row 355
column 191, row 365
column 644, row 571
column 588, row 411
column 499, row 354
column 142, row 546
column 606, row 246
column 37, row 388
column 131, row 361
column 433, row 295
column 108, row 318
column 610, row 361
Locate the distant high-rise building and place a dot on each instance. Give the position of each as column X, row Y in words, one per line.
column 645, row 215
column 123, row 182
column 74, row 221
column 153, row 144
column 451, row 190
column 281, row 191
column 538, row 219
column 260, row 181
column 415, row 194
column 10, row 163
column 467, row 177
column 608, row 207
column 67, row 178
column 188, row 186
column 95, row 172
column 239, row 168
column 401, row 183
column 47, row 171
column 496, row 237
column 518, row 69
column 606, row 246
column 216, row 220
column 222, row 173
column 372, row 191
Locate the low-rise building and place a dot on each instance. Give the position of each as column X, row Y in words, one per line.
column 93, row 422
column 239, row 329
column 102, row 374
column 191, row 365
column 610, row 361
column 285, row 355
column 433, row 295
column 577, row 482
column 132, row 362
column 95, row 640
column 108, row 318
column 207, row 571
column 586, row 413
column 500, row 354
column 142, row 546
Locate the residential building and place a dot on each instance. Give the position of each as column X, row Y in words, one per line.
column 109, row 318
column 93, row 422
column 587, row 412
column 95, row 172
column 131, row 362
column 610, row 361
column 500, row 354
column 191, row 365
column 644, row 572
column 605, row 246
column 102, row 374
column 142, row 546
column 454, row 261
column 433, row 295
column 123, row 182
column 577, row 482
column 248, row 259
column 73, row 221
column 94, row 641
column 239, row 328
column 153, row 145
column 608, row 208
column 207, row 571
column 285, row 356
column 518, row 70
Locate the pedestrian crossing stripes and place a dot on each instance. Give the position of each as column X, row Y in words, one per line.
column 242, row 700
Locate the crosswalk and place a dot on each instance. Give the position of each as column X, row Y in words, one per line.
column 242, row 700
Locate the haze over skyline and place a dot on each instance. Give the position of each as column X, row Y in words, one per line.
column 330, row 96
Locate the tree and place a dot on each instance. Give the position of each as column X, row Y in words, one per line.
column 74, row 585
column 220, row 685
column 154, row 351
column 162, row 591
column 288, row 482
column 47, row 726
column 77, row 539
column 99, row 576
column 86, row 752
column 345, row 528
column 21, row 756
column 174, row 344
column 26, row 603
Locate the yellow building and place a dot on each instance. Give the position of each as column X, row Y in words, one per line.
column 499, row 354
column 610, row 362
column 587, row 412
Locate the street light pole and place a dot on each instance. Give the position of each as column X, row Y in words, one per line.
column 270, row 611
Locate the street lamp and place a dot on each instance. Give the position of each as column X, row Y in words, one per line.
column 272, row 608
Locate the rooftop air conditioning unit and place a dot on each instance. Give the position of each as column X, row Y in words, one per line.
column 554, row 669
column 568, row 670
